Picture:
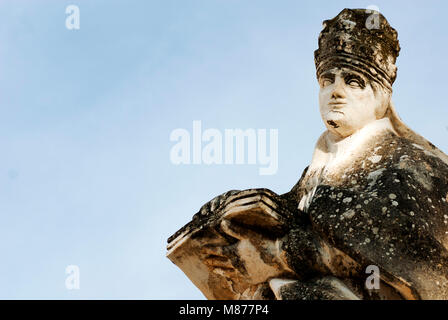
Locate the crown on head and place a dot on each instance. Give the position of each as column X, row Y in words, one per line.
column 360, row 39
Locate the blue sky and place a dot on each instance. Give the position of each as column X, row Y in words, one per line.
column 85, row 173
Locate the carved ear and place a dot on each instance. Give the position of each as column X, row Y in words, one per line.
column 395, row 120
column 381, row 111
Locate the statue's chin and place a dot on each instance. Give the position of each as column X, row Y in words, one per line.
column 335, row 115
column 334, row 120
column 338, row 127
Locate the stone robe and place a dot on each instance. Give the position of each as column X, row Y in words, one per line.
column 377, row 198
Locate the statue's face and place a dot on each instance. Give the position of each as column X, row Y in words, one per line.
column 347, row 101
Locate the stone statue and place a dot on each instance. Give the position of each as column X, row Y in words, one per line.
column 375, row 197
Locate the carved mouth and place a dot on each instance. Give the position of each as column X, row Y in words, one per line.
column 337, row 105
column 337, row 102
column 333, row 124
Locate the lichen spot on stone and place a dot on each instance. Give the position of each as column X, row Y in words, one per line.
column 374, row 159
column 348, row 214
column 347, row 200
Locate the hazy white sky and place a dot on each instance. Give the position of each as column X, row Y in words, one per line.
column 86, row 115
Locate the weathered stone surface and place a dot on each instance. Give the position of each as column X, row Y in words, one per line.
column 362, row 34
column 231, row 252
column 374, row 195
column 388, row 208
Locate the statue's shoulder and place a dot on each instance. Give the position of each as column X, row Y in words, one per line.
column 403, row 155
column 297, row 190
column 401, row 172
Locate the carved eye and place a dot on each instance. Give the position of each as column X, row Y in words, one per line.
column 355, row 83
column 326, row 82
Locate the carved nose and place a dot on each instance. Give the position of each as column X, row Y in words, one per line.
column 337, row 95
column 338, row 92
